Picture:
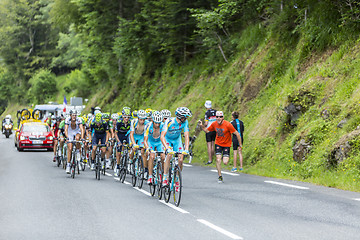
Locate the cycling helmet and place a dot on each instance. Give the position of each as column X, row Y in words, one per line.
column 97, row 108
column 142, row 114
column 53, row 117
column 8, row 116
column 58, row 119
column 89, row 116
column 134, row 114
column 114, row 116
column 183, row 112
column 126, row 111
column 106, row 116
column 157, row 117
column 98, row 118
column 166, row 113
column 149, row 112
column 72, row 112
column 96, row 112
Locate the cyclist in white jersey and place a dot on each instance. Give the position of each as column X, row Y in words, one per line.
column 74, row 129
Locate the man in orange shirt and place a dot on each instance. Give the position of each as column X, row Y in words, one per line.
column 224, row 131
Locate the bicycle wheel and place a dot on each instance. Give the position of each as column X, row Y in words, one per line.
column 77, row 166
column 140, row 175
column 167, row 192
column 152, row 187
column 158, row 176
column 58, row 161
column 72, row 169
column 133, row 170
column 123, row 169
column 177, row 186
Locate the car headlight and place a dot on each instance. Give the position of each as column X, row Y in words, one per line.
column 51, row 138
column 22, row 138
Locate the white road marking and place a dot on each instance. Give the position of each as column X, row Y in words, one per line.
column 117, row 178
column 127, row 183
column 219, row 229
column 286, row 185
column 108, row 174
column 356, row 199
column 187, row 165
column 143, row 191
column 174, row 207
column 231, row 174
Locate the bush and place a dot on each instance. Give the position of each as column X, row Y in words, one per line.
column 43, row 85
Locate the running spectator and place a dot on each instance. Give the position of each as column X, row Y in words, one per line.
column 210, row 117
column 239, row 126
column 224, row 130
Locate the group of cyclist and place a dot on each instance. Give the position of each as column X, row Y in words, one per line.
column 151, row 131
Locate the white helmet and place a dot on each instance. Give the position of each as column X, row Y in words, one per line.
column 8, row 116
column 166, row 113
column 114, row 116
column 96, row 112
column 157, row 117
column 142, row 114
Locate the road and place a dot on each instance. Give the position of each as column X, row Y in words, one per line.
column 40, row 201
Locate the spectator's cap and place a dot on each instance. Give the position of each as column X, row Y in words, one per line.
column 219, row 114
column 208, row 104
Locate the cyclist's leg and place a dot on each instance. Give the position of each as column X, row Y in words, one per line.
column 178, row 147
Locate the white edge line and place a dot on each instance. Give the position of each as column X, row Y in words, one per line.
column 232, row 174
column 143, row 191
column 127, row 183
column 356, row 199
column 286, row 185
column 187, row 165
column 219, row 229
column 174, row 207
column 108, row 174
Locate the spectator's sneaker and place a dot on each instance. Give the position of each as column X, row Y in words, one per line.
column 234, row 169
column 240, row 169
column 220, row 180
column 68, row 168
column 208, row 163
column 149, row 181
column 165, row 182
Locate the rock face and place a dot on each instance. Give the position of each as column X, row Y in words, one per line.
column 301, row 150
column 342, row 148
column 294, row 112
column 342, row 123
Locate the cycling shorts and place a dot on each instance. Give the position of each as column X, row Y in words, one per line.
column 176, row 144
column 156, row 146
column 98, row 137
column 73, row 133
column 210, row 136
column 139, row 140
column 225, row 151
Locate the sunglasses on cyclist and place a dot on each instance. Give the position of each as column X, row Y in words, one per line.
column 219, row 116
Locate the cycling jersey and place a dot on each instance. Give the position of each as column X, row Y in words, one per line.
column 122, row 130
column 55, row 128
column 62, row 127
column 138, row 134
column 154, row 141
column 99, row 129
column 173, row 131
column 210, row 116
column 73, row 131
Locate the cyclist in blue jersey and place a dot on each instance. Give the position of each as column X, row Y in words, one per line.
column 152, row 140
column 171, row 138
column 137, row 130
column 100, row 132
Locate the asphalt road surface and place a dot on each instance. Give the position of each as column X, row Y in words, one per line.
column 40, row 201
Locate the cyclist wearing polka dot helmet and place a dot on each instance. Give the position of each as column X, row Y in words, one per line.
column 152, row 141
column 171, row 138
column 137, row 130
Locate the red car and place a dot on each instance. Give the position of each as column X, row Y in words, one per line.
column 34, row 135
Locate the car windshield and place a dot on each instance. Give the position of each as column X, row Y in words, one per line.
column 35, row 128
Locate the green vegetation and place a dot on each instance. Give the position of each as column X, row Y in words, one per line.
column 291, row 68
